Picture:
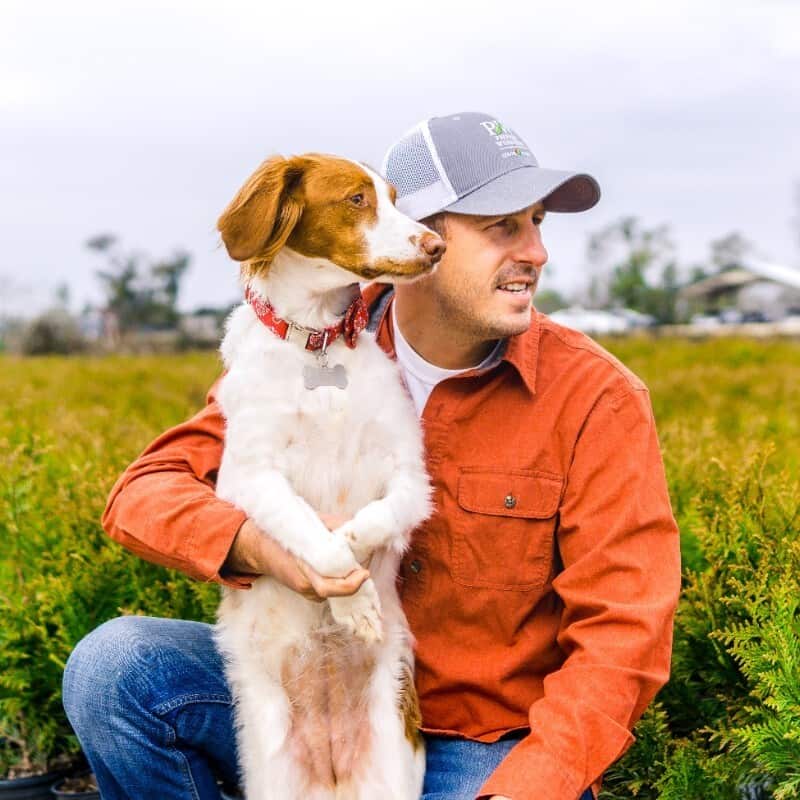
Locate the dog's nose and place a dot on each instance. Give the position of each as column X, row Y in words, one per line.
column 433, row 245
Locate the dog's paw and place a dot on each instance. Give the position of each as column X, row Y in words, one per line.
column 360, row 613
column 335, row 558
column 358, row 547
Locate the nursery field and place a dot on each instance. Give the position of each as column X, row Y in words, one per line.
column 728, row 415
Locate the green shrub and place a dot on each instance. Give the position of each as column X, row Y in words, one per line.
column 726, row 411
column 67, row 428
column 55, row 331
column 728, row 718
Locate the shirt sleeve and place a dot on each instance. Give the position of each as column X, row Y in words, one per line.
column 164, row 507
column 620, row 582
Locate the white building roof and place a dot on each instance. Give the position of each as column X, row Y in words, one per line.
column 751, row 272
column 790, row 276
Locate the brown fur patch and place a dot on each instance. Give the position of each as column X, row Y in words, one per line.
column 408, row 706
column 332, row 226
column 258, row 221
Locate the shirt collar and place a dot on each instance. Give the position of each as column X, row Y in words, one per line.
column 521, row 351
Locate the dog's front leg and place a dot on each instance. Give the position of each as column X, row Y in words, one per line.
column 388, row 522
column 277, row 510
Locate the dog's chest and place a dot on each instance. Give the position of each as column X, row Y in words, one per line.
column 333, row 445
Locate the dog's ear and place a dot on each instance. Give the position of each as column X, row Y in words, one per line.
column 259, row 220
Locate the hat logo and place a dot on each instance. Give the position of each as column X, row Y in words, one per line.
column 494, row 127
column 505, row 139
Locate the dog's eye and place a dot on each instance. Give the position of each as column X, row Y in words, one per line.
column 358, row 200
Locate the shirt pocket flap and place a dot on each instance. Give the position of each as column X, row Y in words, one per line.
column 510, row 493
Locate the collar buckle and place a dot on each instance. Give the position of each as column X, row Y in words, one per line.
column 298, row 334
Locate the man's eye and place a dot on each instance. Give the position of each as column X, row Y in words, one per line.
column 538, row 219
column 357, row 200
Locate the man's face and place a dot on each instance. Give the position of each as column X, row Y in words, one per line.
column 485, row 281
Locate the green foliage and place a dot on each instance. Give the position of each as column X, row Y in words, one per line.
column 643, row 271
column 140, row 299
column 67, row 428
column 638, row 773
column 726, row 412
column 53, row 332
column 729, row 715
column 549, row 300
column 729, row 251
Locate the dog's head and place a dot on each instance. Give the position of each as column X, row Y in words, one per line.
column 330, row 209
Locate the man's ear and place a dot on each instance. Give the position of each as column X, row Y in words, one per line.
column 259, row 220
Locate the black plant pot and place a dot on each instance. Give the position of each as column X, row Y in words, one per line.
column 61, row 789
column 37, row 787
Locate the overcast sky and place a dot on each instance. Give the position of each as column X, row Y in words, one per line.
column 143, row 118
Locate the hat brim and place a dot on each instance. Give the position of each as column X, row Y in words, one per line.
column 525, row 186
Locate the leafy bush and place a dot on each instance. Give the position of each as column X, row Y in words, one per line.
column 727, row 722
column 725, row 410
column 53, row 332
column 67, row 428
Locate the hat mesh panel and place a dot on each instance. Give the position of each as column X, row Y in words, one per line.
column 409, row 165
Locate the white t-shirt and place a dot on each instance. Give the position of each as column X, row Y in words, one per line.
column 420, row 375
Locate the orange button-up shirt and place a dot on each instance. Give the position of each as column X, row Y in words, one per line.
column 541, row 592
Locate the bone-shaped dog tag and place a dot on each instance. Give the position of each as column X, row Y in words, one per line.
column 314, row 377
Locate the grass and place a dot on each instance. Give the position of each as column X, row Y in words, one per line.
column 728, row 415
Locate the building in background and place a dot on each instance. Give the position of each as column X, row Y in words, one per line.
column 757, row 291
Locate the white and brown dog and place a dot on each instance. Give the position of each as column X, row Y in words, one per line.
column 318, row 422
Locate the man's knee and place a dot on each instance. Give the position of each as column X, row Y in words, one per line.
column 103, row 666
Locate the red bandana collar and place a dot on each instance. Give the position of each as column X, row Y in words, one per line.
column 353, row 322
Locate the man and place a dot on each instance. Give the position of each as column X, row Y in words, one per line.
column 541, row 592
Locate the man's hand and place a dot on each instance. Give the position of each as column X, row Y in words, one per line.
column 256, row 553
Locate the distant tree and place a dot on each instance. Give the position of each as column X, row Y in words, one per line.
column 662, row 300
column 697, row 273
column 102, row 242
column 62, row 295
column 122, row 296
column 140, row 297
column 169, row 274
column 730, row 251
column 597, row 292
column 643, row 272
column 549, row 300
column 53, row 332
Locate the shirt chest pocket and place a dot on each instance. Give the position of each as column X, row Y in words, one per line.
column 503, row 531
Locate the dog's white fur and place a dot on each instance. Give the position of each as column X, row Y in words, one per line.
column 291, row 454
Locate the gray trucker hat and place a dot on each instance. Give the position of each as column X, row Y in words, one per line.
column 469, row 163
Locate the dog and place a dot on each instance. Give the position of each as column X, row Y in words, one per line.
column 317, row 421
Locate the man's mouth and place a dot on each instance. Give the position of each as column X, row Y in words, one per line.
column 516, row 287
column 518, row 284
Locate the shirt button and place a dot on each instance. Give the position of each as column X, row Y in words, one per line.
column 416, row 566
column 510, row 500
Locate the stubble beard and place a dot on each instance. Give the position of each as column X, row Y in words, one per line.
column 459, row 312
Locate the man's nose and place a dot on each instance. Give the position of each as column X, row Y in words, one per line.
column 530, row 248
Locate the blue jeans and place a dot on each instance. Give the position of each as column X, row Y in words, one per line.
column 148, row 700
